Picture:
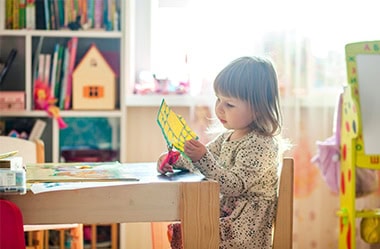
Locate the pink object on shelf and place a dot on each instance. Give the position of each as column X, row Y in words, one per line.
column 12, row 100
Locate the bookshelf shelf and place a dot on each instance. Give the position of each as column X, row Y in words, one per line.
column 64, row 33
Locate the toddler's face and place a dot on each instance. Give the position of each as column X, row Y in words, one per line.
column 234, row 113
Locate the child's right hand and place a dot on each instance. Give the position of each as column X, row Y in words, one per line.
column 166, row 167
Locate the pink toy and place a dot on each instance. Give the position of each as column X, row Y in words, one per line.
column 44, row 101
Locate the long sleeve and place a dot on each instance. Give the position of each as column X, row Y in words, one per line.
column 242, row 166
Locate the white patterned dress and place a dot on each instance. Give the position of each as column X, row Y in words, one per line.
column 246, row 170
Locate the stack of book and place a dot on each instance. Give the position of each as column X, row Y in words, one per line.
column 62, row 14
column 55, row 70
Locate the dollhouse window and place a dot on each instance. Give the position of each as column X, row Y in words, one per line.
column 93, row 92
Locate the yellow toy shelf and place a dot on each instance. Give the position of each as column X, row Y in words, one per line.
column 352, row 147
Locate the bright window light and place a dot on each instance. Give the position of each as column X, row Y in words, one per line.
column 306, row 39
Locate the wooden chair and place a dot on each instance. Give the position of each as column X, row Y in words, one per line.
column 283, row 225
column 31, row 152
column 114, row 236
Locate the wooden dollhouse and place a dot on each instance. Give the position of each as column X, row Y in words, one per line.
column 94, row 82
column 360, row 134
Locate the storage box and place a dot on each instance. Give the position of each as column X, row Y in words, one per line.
column 12, row 181
column 12, row 163
column 12, row 100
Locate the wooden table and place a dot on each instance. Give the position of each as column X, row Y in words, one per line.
column 181, row 197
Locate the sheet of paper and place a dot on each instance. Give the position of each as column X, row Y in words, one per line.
column 174, row 127
column 37, row 188
column 77, row 172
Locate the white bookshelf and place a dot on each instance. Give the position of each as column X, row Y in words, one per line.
column 22, row 80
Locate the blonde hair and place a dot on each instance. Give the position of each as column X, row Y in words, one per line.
column 254, row 79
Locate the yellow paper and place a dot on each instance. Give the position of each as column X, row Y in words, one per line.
column 174, row 127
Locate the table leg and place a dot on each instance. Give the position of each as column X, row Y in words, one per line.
column 199, row 212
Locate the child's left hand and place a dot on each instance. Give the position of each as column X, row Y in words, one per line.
column 194, row 149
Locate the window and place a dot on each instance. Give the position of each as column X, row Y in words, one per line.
column 305, row 39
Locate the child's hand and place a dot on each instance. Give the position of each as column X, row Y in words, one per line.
column 194, row 149
column 166, row 167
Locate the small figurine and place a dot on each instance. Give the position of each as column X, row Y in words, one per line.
column 76, row 24
column 44, row 101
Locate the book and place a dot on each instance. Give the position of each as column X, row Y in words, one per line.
column 98, row 14
column 41, row 67
column 35, row 61
column 46, row 69
column 53, row 73
column 90, row 13
column 37, row 130
column 8, row 14
column 16, row 15
column 61, row 13
column 64, row 68
column 22, row 14
column 83, row 7
column 72, row 47
column 3, row 7
column 47, row 14
column 58, row 73
column 67, row 16
column 56, row 14
column 40, row 19
column 12, row 163
column 52, row 15
column 30, row 15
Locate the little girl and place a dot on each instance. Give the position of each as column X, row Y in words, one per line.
column 245, row 157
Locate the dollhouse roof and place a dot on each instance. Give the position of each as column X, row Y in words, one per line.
column 93, row 53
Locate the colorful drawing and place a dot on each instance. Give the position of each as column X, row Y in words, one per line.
column 76, row 172
column 174, row 127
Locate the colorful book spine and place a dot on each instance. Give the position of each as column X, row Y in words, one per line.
column 22, row 14
column 41, row 67
column 61, row 13
column 58, row 74
column 65, row 64
column 36, row 58
column 56, row 14
column 40, row 15
column 90, row 13
column 30, row 14
column 115, row 15
column 83, row 13
column 47, row 14
column 47, row 68
column 3, row 8
column 54, row 69
column 106, row 11
column 72, row 47
column 52, row 15
column 8, row 14
column 16, row 15
column 98, row 14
